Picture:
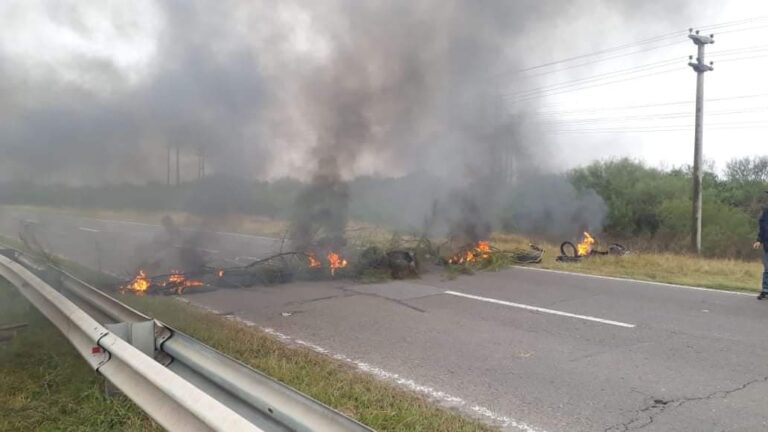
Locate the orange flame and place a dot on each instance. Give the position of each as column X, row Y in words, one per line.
column 139, row 284
column 585, row 246
column 479, row 251
column 180, row 282
column 483, row 248
column 335, row 261
column 313, row 262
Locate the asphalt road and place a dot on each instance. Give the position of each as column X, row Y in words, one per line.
column 527, row 349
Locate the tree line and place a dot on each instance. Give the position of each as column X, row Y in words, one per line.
column 622, row 200
column 652, row 206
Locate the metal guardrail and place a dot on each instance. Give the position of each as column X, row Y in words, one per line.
column 262, row 401
column 173, row 402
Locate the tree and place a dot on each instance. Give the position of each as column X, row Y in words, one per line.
column 747, row 170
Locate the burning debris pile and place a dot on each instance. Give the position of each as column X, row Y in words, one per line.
column 478, row 251
column 586, row 248
column 278, row 268
column 481, row 255
column 319, row 247
column 174, row 283
column 469, row 228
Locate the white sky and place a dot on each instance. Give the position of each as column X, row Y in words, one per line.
column 584, row 123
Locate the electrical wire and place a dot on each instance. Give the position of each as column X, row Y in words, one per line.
column 646, row 41
column 662, row 116
column 652, row 105
column 598, row 77
column 667, row 128
column 585, row 87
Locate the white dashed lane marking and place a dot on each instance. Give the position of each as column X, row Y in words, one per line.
column 540, row 309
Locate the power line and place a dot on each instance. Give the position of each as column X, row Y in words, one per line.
column 609, row 77
column 687, row 125
column 661, row 116
column 653, row 105
column 675, row 128
column 732, row 23
column 598, row 77
column 582, row 83
column 609, row 50
column 742, row 30
column 676, row 42
column 740, row 50
column 738, row 59
column 585, row 87
column 646, row 41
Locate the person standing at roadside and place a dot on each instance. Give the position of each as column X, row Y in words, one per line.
column 762, row 241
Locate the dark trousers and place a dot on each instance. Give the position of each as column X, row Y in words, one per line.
column 765, row 272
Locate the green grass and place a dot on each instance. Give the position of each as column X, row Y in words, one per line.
column 378, row 404
column 46, row 386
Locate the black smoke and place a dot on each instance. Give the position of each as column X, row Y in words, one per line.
column 386, row 87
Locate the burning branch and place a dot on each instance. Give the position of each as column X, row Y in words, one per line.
column 484, row 256
column 478, row 251
column 313, row 262
column 175, row 282
column 335, row 262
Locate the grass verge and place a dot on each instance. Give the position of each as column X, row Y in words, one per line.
column 46, row 386
column 378, row 404
column 723, row 274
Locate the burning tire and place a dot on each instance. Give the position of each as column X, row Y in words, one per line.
column 568, row 249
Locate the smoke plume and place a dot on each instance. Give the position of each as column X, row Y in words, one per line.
column 269, row 89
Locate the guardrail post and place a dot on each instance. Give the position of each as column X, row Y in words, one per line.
column 139, row 334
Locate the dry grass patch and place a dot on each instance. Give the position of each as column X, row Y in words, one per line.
column 725, row 274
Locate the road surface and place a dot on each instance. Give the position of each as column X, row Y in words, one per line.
column 526, row 349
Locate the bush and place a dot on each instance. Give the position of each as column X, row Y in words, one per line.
column 727, row 231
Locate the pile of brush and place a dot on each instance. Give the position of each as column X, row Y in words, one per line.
column 481, row 255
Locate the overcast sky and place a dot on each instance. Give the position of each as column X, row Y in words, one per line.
column 585, row 121
column 113, row 83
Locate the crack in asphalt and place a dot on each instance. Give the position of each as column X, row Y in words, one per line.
column 349, row 292
column 318, row 299
column 389, row 299
column 645, row 416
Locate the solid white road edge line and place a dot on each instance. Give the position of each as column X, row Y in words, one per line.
column 621, row 279
column 539, row 309
column 445, row 398
column 88, row 229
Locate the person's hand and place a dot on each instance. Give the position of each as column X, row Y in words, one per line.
column 757, row 245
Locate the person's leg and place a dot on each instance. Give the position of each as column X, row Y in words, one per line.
column 765, row 272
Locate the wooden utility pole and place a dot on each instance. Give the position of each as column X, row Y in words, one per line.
column 168, row 167
column 700, row 68
column 178, row 170
column 201, row 163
